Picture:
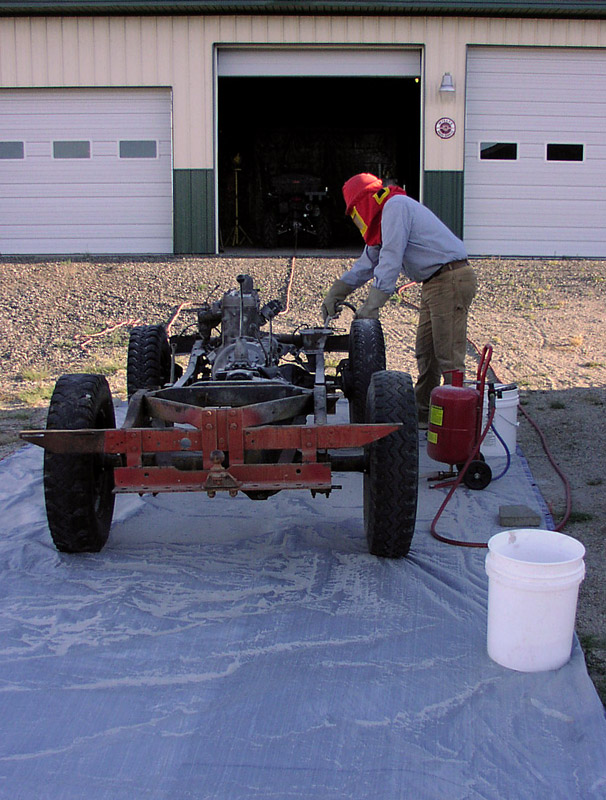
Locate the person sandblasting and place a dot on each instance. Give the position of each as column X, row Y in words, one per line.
column 402, row 235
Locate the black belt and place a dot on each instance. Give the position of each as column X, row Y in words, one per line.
column 452, row 265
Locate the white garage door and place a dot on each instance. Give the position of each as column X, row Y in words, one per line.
column 85, row 171
column 312, row 61
column 535, row 152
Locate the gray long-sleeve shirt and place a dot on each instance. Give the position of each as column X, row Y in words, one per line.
column 413, row 241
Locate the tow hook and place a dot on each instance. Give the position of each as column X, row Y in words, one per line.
column 219, row 477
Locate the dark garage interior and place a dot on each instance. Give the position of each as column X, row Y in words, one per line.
column 287, row 145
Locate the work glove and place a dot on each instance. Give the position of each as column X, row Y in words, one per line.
column 337, row 293
column 376, row 299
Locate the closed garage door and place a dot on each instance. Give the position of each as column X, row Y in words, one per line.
column 535, row 152
column 85, row 171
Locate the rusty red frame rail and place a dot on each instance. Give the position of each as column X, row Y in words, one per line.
column 215, row 432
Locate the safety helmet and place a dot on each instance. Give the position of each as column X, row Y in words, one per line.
column 364, row 196
column 359, row 185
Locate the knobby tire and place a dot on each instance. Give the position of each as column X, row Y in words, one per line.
column 78, row 488
column 392, row 474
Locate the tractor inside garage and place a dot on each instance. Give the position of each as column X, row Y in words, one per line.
column 287, row 144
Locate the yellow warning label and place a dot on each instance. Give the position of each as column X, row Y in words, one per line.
column 432, row 437
column 436, row 415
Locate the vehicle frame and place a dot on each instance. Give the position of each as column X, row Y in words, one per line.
column 247, row 413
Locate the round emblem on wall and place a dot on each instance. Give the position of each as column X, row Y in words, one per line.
column 445, row 128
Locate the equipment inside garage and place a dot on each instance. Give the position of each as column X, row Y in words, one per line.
column 312, row 133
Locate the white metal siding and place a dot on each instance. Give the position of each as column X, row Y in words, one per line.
column 532, row 206
column 178, row 52
column 313, row 61
column 104, row 204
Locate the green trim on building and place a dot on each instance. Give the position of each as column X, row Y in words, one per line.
column 193, row 211
column 443, row 194
column 493, row 8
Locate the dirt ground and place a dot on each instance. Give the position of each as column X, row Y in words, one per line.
column 544, row 319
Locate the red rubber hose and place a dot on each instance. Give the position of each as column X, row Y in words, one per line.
column 563, row 478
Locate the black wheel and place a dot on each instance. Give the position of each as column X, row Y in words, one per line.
column 366, row 356
column 78, row 488
column 477, row 475
column 148, row 364
column 392, row 474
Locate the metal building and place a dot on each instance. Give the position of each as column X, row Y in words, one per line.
column 157, row 127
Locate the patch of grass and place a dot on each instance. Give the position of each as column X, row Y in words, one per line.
column 579, row 516
column 595, row 482
column 103, row 366
column 65, row 344
column 115, row 338
column 35, row 396
column 557, row 404
column 89, row 330
column 8, row 399
column 35, row 375
column 592, row 364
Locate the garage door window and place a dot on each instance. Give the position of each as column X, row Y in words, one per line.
column 498, row 151
column 138, row 148
column 565, row 152
column 12, row 150
column 71, row 149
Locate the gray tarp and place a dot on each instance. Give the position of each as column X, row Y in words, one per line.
column 238, row 649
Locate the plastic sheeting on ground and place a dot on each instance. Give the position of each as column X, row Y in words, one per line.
column 235, row 650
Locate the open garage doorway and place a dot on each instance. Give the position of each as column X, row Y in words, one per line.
column 286, row 145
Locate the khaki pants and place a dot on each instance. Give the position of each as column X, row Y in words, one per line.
column 442, row 332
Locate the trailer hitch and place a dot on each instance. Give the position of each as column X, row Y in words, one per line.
column 219, row 478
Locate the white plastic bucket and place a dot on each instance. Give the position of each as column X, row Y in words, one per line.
column 505, row 421
column 534, row 577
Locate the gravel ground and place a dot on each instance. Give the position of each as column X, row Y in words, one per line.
column 544, row 319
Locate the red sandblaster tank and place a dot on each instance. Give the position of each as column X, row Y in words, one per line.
column 453, row 421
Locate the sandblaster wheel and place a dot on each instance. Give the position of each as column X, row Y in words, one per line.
column 78, row 488
column 477, row 475
column 392, row 470
column 148, row 362
column 366, row 356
